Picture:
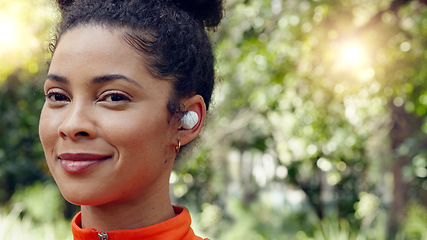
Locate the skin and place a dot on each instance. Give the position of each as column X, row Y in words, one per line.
column 101, row 99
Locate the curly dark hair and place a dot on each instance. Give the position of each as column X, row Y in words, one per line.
column 171, row 35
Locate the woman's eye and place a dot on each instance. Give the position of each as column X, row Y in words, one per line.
column 56, row 97
column 115, row 97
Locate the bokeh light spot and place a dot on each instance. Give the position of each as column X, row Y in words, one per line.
column 352, row 53
column 8, row 32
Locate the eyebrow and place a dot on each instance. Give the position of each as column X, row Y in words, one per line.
column 95, row 80
column 57, row 78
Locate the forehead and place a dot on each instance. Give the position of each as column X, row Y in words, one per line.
column 95, row 47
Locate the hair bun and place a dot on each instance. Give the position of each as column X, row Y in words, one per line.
column 210, row 12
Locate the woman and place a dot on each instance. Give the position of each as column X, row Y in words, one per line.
column 129, row 83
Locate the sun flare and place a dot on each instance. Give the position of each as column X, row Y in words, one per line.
column 8, row 28
column 352, row 54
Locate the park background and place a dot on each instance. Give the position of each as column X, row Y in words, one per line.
column 318, row 128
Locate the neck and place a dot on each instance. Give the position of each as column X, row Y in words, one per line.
column 131, row 214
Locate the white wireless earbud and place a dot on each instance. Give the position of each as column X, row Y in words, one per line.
column 189, row 120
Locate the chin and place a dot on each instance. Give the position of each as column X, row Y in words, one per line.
column 79, row 195
column 84, row 200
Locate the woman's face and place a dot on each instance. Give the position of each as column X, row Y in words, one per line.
column 105, row 126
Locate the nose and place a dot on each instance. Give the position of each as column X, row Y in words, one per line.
column 78, row 123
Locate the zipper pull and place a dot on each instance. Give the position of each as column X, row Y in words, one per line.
column 103, row 236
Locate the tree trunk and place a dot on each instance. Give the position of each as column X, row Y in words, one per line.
column 404, row 126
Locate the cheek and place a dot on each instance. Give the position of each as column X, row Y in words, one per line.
column 137, row 132
column 133, row 126
column 44, row 129
column 48, row 128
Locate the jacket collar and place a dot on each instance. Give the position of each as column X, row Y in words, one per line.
column 175, row 228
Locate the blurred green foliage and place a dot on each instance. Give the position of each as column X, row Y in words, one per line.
column 35, row 212
column 318, row 129
column 24, row 27
column 21, row 155
column 416, row 222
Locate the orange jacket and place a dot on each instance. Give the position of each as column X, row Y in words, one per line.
column 176, row 228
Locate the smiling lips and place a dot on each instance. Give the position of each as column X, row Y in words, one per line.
column 76, row 163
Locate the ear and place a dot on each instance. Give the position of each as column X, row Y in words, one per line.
column 196, row 104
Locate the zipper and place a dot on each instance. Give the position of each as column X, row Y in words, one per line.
column 103, row 236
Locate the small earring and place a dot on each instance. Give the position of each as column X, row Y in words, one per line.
column 178, row 147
